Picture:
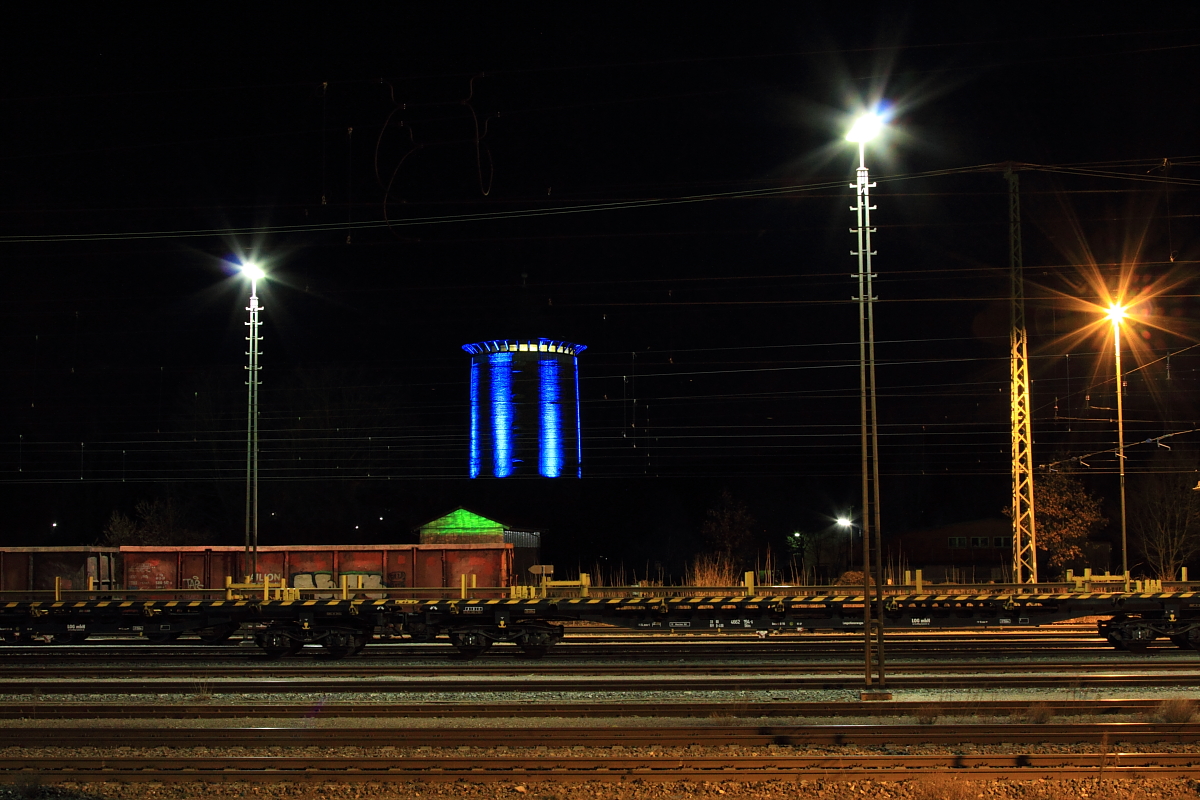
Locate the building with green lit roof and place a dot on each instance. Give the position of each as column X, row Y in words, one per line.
column 461, row 526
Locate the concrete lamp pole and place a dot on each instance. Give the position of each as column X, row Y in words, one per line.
column 255, row 274
column 865, row 128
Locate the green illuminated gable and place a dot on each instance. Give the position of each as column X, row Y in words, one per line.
column 462, row 527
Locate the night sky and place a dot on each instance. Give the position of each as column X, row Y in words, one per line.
column 665, row 184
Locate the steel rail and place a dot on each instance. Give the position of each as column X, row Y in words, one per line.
column 700, row 709
column 57, row 654
column 354, row 668
column 536, row 767
column 523, row 683
column 98, row 736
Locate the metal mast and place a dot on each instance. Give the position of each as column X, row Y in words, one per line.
column 252, row 382
column 1024, row 530
column 872, row 624
column 1116, row 323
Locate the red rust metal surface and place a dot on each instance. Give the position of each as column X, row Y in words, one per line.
column 26, row 568
column 385, row 566
column 398, row 566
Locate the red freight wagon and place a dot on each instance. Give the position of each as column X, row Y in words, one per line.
column 396, row 566
column 35, row 568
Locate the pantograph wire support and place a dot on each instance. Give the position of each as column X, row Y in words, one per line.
column 1023, row 524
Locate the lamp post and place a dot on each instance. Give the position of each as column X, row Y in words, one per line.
column 255, row 274
column 867, row 127
column 845, row 522
column 1116, row 313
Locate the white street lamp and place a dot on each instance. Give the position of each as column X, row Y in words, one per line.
column 1116, row 313
column 255, row 273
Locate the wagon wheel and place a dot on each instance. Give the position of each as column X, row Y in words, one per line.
column 471, row 653
column 217, row 634
column 469, row 644
column 69, row 637
column 282, row 651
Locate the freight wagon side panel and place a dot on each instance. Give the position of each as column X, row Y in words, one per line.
column 488, row 565
column 193, row 570
column 430, row 568
column 150, row 569
column 271, row 564
column 364, row 561
column 224, row 564
column 401, row 566
column 308, row 561
column 14, row 571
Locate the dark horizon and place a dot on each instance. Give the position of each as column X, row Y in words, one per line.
column 415, row 181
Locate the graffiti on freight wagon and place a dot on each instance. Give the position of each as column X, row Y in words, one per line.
column 160, row 576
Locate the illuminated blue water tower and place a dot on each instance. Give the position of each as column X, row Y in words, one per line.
column 525, row 409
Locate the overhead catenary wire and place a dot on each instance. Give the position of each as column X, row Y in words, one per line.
column 586, row 208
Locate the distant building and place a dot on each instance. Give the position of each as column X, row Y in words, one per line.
column 978, row 551
column 461, row 526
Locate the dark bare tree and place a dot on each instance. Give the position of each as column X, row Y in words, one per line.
column 158, row 522
column 728, row 529
column 1165, row 518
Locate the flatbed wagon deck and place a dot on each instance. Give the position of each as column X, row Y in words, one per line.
column 283, row 622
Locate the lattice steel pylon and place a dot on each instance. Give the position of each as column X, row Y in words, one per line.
column 1023, row 526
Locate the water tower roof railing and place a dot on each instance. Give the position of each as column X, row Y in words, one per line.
column 524, row 346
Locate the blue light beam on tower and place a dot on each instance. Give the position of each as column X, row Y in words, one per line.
column 550, row 437
column 502, row 416
column 475, row 458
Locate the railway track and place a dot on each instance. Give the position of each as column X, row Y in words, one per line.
column 849, row 680
column 841, row 735
column 577, row 769
column 455, row 710
column 674, row 753
column 339, row 668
